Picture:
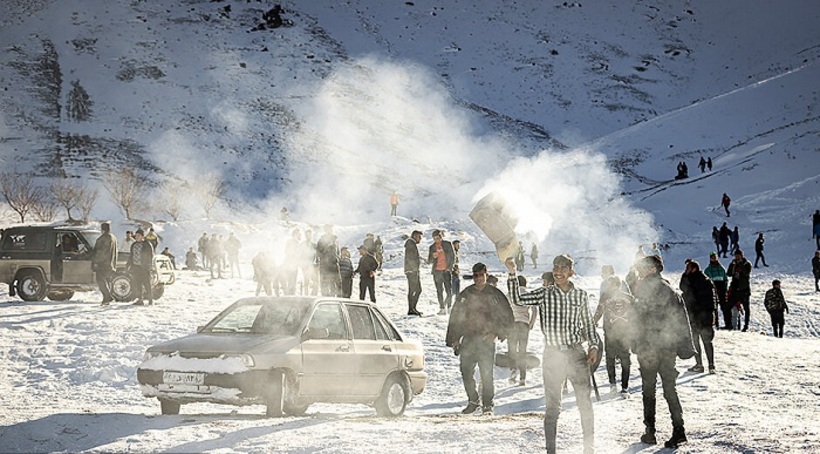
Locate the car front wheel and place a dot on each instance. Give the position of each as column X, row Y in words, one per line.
column 31, row 286
column 393, row 399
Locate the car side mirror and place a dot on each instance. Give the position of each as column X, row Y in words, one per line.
column 315, row 333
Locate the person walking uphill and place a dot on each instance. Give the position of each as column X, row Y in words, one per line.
column 701, row 300
column 442, row 256
column 394, row 203
column 725, row 201
column 661, row 329
column 412, row 265
column 566, row 323
column 775, row 304
column 739, row 288
column 104, row 261
column 759, row 249
column 139, row 265
column 480, row 314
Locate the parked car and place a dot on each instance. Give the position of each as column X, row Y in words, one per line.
column 55, row 261
column 287, row 353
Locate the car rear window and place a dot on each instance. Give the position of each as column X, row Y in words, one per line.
column 24, row 241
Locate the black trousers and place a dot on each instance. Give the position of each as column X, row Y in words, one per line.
column 652, row 364
column 367, row 283
column 104, row 283
column 778, row 322
column 141, row 282
column 413, row 290
column 704, row 333
column 476, row 350
column 617, row 348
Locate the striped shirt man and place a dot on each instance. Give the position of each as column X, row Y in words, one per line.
column 565, row 316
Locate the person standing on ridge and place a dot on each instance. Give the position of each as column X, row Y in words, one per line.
column 724, row 202
column 759, row 249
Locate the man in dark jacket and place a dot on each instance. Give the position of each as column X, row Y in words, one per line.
column 412, row 264
column 480, row 314
column 442, row 257
column 367, row 273
column 345, row 272
column 104, row 261
column 701, row 301
column 724, row 235
column 775, row 304
column 566, row 323
column 815, row 269
column 140, row 265
column 661, row 329
column 739, row 288
column 759, row 249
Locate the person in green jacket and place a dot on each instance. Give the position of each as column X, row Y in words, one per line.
column 717, row 274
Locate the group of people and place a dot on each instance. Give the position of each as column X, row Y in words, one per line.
column 218, row 255
column 140, row 263
column 648, row 318
column 443, row 258
column 727, row 242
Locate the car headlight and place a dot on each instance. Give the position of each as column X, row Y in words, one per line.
column 247, row 360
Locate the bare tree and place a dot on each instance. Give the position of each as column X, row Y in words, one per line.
column 79, row 103
column 127, row 189
column 66, row 193
column 87, row 198
column 45, row 210
column 210, row 188
column 171, row 194
column 21, row 193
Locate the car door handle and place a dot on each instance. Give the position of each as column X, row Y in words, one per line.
column 343, row 348
column 387, row 348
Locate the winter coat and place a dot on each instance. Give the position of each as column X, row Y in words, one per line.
column 759, row 244
column 345, row 268
column 367, row 264
column 478, row 313
column 700, row 297
column 142, row 255
column 104, row 256
column 659, row 321
column 449, row 255
column 724, row 234
column 615, row 308
column 740, row 272
column 774, row 301
column 412, row 261
column 327, row 250
column 716, row 273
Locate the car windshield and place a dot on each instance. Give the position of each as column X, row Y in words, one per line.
column 272, row 317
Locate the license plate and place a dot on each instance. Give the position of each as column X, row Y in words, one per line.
column 183, row 378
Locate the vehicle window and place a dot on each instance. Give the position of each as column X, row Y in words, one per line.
column 278, row 319
column 329, row 316
column 239, row 320
column 361, row 322
column 30, row 241
column 388, row 327
column 70, row 243
column 381, row 334
column 91, row 236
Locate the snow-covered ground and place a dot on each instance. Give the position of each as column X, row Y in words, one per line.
column 68, row 380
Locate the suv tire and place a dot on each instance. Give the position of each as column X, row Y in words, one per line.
column 60, row 295
column 121, row 287
column 31, row 286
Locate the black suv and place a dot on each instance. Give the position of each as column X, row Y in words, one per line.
column 55, row 261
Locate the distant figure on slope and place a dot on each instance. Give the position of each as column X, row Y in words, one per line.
column 394, row 203
column 739, row 288
column 724, row 202
column 815, row 269
column 716, row 238
column 724, row 236
column 734, row 238
column 759, row 249
column 815, row 227
column 683, row 171
column 534, row 256
column 775, row 304
column 709, row 163
column 702, row 165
